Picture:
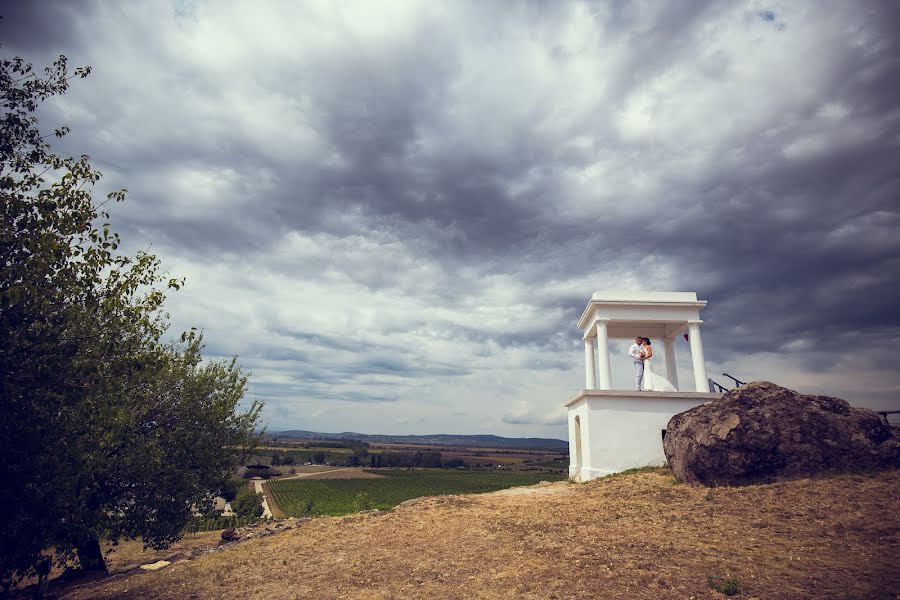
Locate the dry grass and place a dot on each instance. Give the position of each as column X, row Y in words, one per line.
column 130, row 553
column 634, row 536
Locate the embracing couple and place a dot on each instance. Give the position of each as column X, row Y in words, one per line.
column 644, row 377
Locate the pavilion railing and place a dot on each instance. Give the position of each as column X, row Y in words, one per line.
column 715, row 386
column 887, row 415
column 737, row 381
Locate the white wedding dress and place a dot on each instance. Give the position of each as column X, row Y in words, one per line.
column 653, row 382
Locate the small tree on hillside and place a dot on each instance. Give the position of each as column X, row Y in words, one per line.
column 106, row 430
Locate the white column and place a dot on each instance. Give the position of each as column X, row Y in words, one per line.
column 590, row 381
column 700, row 379
column 671, row 371
column 603, row 351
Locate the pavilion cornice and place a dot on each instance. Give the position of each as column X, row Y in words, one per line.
column 585, row 319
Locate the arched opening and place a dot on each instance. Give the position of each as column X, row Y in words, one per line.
column 578, row 446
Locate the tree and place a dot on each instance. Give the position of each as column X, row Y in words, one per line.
column 107, row 430
column 229, row 487
column 248, row 504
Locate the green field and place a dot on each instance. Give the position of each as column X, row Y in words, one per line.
column 342, row 496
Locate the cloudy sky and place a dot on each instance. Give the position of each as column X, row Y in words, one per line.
column 394, row 213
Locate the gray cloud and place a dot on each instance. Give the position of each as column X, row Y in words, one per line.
column 410, row 204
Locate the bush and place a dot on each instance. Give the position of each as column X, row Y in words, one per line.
column 362, row 501
column 248, row 504
column 263, row 473
column 728, row 587
column 199, row 524
column 229, row 488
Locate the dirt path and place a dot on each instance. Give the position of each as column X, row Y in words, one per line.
column 258, row 488
column 636, row 536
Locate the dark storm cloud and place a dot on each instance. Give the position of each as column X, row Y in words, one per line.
column 41, row 27
column 477, row 156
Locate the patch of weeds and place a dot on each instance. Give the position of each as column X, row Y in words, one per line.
column 363, row 501
column 729, row 587
column 661, row 469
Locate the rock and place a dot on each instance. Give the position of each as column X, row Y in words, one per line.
column 229, row 535
column 762, row 432
column 157, row 565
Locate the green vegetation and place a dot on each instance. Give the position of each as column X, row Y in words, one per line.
column 299, row 497
column 357, row 456
column 109, row 428
column 216, row 522
column 248, row 504
column 549, row 464
column 729, row 587
column 662, row 469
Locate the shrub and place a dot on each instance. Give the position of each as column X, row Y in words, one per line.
column 248, row 504
column 729, row 587
column 362, row 501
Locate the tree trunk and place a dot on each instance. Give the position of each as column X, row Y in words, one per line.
column 91, row 557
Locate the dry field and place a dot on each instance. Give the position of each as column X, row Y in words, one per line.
column 629, row 536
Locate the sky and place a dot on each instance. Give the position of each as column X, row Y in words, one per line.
column 394, row 213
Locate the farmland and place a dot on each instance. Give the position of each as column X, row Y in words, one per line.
column 353, row 453
column 301, row 497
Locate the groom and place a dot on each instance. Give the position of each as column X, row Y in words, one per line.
column 637, row 352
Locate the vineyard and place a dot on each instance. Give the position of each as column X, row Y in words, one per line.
column 302, row 497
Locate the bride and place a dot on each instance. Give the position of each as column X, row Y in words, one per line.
column 653, row 382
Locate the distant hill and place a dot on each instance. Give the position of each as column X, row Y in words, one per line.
column 440, row 439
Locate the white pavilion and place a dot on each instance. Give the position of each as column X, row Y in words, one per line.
column 614, row 430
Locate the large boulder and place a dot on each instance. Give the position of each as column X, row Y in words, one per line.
column 762, row 432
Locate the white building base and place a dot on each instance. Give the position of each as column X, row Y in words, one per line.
column 612, row 431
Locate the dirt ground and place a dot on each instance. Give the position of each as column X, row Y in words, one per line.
column 629, row 536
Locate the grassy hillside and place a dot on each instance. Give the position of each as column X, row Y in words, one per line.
column 632, row 536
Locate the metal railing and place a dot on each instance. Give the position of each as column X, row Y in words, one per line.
column 716, row 387
column 736, row 381
column 887, row 415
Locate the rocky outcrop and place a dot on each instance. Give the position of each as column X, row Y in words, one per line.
column 762, row 432
column 260, row 529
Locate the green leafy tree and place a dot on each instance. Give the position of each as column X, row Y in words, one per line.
column 107, row 430
column 248, row 504
column 229, row 487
